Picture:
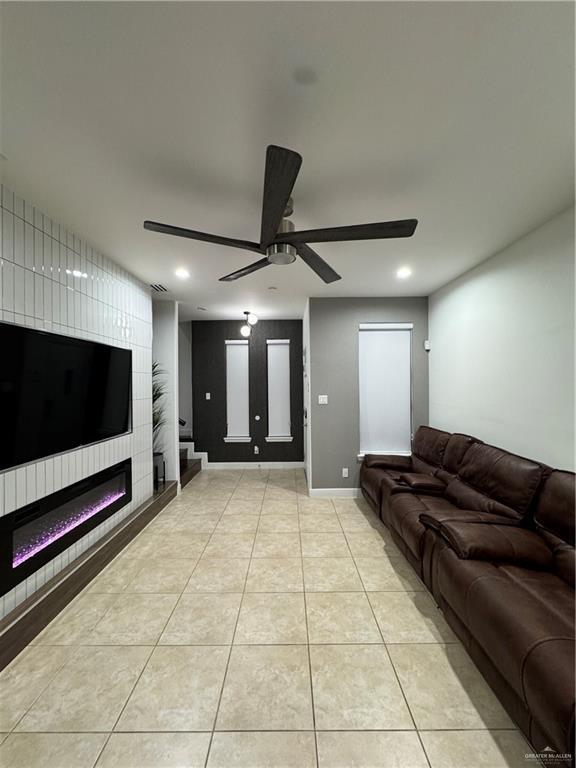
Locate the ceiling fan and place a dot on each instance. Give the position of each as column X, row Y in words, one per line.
column 279, row 241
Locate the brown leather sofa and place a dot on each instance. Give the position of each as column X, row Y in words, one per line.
column 492, row 536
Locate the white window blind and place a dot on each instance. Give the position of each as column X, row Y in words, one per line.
column 279, row 427
column 384, row 357
column 237, row 392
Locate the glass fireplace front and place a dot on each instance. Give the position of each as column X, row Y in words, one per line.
column 35, row 534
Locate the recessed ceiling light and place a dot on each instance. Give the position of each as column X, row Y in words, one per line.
column 182, row 273
column 403, row 273
column 305, row 75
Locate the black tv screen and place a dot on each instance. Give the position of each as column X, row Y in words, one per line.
column 58, row 393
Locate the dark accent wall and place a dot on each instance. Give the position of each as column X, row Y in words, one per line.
column 209, row 375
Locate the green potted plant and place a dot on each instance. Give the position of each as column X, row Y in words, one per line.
column 158, row 420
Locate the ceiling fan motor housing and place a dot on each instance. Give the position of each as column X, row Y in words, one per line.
column 282, row 253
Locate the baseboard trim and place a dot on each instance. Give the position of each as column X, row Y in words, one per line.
column 22, row 625
column 342, row 493
column 253, row 465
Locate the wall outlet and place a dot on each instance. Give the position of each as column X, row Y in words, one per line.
column 322, row 399
column 256, row 450
column 207, row 395
column 344, row 471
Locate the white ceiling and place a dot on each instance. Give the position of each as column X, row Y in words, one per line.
column 458, row 114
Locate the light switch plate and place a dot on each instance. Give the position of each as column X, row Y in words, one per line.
column 207, row 395
column 322, row 399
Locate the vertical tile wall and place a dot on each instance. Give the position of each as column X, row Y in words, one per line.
column 101, row 302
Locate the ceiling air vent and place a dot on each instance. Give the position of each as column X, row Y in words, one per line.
column 158, row 288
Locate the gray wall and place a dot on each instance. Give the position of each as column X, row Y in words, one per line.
column 334, row 372
column 185, row 376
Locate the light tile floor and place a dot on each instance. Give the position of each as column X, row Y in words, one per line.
column 252, row 626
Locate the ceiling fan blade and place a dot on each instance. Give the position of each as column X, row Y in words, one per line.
column 317, row 263
column 384, row 229
column 167, row 229
column 245, row 270
column 282, row 166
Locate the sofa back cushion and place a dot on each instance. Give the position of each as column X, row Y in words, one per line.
column 428, row 449
column 505, row 477
column 554, row 519
column 555, row 506
column 466, row 497
column 456, row 448
column 493, row 480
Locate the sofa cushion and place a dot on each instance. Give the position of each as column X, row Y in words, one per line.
column 555, row 507
column 423, row 467
column 497, row 543
column 434, row 518
column 462, row 495
column 429, row 445
column 510, row 480
column 422, row 482
column 455, row 450
column 554, row 519
column 388, row 461
column 404, row 513
column 392, row 483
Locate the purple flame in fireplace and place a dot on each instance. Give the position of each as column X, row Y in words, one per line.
column 61, row 528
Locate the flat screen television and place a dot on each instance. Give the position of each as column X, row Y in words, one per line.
column 58, row 393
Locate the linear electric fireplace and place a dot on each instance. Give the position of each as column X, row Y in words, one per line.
column 34, row 534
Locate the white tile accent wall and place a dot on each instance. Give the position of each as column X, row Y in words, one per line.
column 108, row 305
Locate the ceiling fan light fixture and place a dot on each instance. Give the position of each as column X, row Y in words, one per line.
column 281, row 253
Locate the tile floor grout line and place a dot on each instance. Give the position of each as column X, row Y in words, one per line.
column 390, row 661
column 217, row 710
column 308, row 643
column 393, row 668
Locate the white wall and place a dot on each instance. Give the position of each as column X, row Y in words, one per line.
column 165, row 352
column 185, row 376
column 502, row 359
column 109, row 306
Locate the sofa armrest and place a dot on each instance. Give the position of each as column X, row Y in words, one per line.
column 422, row 482
column 386, row 461
column 435, row 518
column 497, row 543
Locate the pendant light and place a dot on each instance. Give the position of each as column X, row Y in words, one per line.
column 246, row 329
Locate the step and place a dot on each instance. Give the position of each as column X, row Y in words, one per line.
column 193, row 466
